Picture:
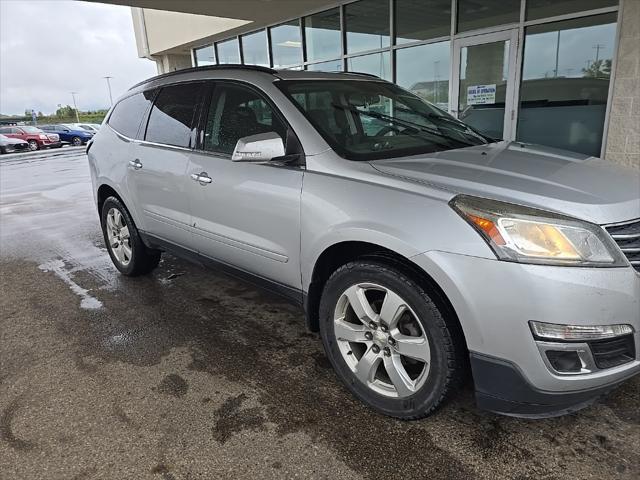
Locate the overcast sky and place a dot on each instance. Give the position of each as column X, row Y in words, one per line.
column 49, row 48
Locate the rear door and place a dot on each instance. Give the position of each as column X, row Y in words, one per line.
column 158, row 165
column 248, row 215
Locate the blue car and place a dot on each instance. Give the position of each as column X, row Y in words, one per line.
column 76, row 136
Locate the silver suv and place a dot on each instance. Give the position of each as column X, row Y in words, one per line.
column 420, row 249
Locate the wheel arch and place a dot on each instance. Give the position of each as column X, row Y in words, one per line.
column 341, row 253
column 105, row 191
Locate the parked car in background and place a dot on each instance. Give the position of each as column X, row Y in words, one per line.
column 69, row 133
column 89, row 127
column 35, row 137
column 9, row 145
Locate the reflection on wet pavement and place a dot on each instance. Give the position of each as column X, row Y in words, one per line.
column 189, row 374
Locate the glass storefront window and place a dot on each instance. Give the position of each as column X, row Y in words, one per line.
column 322, row 35
column 205, row 56
column 425, row 71
column 565, row 83
column 229, row 51
column 254, row 49
column 422, row 19
column 286, row 44
column 474, row 14
column 377, row 64
column 330, row 66
column 367, row 25
column 550, row 8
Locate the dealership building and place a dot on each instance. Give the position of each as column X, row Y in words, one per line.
column 563, row 73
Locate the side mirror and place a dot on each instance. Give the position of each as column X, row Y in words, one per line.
column 258, row 148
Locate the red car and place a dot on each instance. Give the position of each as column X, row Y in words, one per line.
column 35, row 137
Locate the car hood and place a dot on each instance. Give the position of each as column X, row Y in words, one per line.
column 574, row 184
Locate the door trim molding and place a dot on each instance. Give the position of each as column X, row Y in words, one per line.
column 292, row 294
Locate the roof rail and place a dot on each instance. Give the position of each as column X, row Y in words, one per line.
column 363, row 73
column 230, row 66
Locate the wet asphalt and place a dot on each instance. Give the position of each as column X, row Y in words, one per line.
column 189, row 374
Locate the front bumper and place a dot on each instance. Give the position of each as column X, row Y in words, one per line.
column 495, row 301
column 501, row 387
column 15, row 147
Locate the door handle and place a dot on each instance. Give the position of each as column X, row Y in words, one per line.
column 202, row 178
column 135, row 164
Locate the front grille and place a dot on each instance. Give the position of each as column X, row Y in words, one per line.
column 613, row 352
column 627, row 236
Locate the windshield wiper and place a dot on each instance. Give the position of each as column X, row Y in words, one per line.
column 451, row 121
column 404, row 123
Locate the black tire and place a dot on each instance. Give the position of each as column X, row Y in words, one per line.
column 447, row 352
column 33, row 145
column 76, row 141
column 143, row 259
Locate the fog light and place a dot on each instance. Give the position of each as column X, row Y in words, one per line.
column 564, row 361
column 577, row 333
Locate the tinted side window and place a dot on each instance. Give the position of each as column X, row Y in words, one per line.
column 237, row 112
column 127, row 114
column 172, row 116
column 5, row 130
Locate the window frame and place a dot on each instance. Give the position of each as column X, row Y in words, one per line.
column 142, row 135
column 144, row 118
column 210, row 89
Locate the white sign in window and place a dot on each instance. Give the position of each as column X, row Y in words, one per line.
column 481, row 94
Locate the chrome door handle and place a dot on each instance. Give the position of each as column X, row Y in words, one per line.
column 202, row 178
column 135, row 164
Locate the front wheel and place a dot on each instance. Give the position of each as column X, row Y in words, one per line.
column 76, row 141
column 33, row 145
column 126, row 249
column 387, row 340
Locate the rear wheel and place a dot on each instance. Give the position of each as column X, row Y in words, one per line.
column 126, row 249
column 387, row 340
column 33, row 145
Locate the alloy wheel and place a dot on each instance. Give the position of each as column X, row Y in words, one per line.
column 118, row 236
column 33, row 145
column 76, row 141
column 381, row 340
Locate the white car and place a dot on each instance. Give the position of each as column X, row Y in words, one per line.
column 10, row 145
column 91, row 127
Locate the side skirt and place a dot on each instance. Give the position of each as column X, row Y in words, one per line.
column 291, row 294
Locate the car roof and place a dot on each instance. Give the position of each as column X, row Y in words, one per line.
column 252, row 71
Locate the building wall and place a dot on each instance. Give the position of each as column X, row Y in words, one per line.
column 166, row 30
column 171, row 63
column 623, row 136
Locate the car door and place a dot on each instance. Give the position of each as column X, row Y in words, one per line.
column 63, row 133
column 248, row 214
column 158, row 166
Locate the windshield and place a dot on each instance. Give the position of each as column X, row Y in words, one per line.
column 31, row 129
column 369, row 120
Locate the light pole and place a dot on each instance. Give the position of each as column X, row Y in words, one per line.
column 109, row 87
column 73, row 94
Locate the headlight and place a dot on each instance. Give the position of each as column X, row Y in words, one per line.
column 42, row 137
column 528, row 235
